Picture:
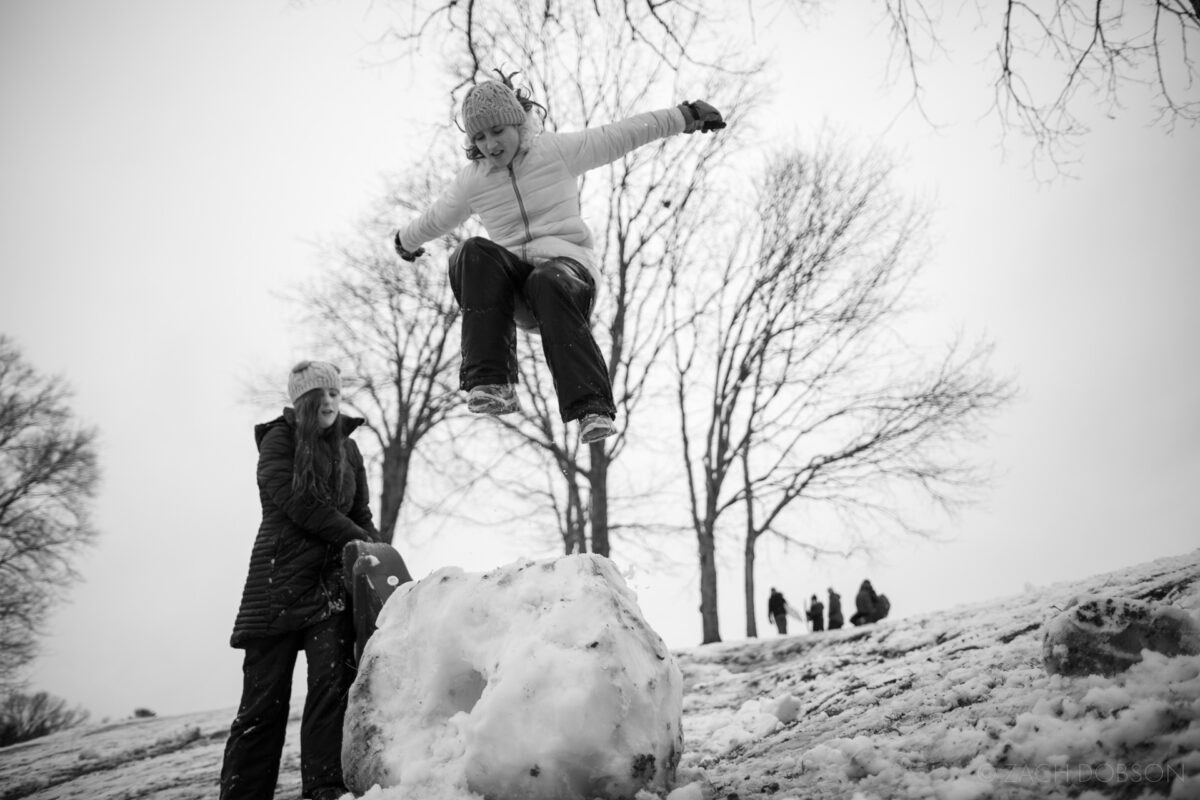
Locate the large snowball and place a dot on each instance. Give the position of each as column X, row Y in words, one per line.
column 536, row 680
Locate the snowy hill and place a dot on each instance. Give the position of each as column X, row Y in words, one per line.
column 953, row 705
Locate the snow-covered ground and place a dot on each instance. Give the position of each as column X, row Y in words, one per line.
column 953, row 706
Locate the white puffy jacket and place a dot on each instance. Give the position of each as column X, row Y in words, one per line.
column 532, row 206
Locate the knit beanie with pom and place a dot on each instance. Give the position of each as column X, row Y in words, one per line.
column 489, row 104
column 309, row 375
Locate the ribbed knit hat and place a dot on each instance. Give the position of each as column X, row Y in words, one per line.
column 309, row 375
column 489, row 104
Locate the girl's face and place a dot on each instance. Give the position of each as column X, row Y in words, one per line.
column 499, row 144
column 327, row 411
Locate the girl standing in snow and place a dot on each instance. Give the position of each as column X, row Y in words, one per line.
column 537, row 267
column 313, row 489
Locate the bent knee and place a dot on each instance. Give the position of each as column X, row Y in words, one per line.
column 472, row 247
column 556, row 278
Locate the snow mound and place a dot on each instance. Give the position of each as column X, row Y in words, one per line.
column 951, row 706
column 536, row 680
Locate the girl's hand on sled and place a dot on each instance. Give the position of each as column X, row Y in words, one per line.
column 407, row 255
column 701, row 116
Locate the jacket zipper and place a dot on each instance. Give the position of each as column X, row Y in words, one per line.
column 521, row 205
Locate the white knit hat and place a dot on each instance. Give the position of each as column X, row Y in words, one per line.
column 488, row 104
column 309, row 375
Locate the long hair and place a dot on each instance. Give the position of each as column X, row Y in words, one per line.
column 527, row 130
column 309, row 438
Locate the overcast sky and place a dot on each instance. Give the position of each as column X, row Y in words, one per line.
column 167, row 166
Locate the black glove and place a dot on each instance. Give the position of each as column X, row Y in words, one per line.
column 407, row 255
column 701, row 117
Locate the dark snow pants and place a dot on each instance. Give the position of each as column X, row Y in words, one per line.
column 490, row 284
column 255, row 746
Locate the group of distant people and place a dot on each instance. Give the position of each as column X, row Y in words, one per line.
column 869, row 606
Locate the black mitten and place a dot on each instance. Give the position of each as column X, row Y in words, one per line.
column 701, row 117
column 407, row 255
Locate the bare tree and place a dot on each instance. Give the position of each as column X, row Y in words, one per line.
column 1050, row 56
column 31, row 716
column 1045, row 55
column 657, row 203
column 469, row 28
column 394, row 326
column 793, row 386
column 48, row 476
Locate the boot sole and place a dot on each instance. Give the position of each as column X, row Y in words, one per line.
column 597, row 435
column 493, row 408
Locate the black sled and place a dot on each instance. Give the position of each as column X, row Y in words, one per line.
column 373, row 570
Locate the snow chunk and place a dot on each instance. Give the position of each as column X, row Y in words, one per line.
column 785, row 708
column 856, row 757
column 754, row 720
column 536, row 680
column 693, row 791
column 1105, row 635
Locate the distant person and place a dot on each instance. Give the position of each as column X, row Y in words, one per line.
column 816, row 614
column 865, row 602
column 313, row 490
column 777, row 609
column 836, row 620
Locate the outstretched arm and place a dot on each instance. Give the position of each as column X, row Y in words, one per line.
column 447, row 213
column 594, row 147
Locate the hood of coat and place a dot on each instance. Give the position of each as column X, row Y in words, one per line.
column 288, row 418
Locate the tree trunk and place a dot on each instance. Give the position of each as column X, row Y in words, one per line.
column 391, row 496
column 748, row 582
column 575, row 526
column 708, row 585
column 599, row 504
column 748, row 554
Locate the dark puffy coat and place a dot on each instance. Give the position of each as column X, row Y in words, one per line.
column 295, row 575
column 865, row 601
